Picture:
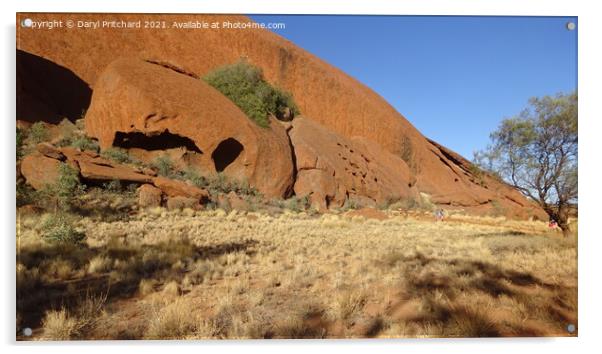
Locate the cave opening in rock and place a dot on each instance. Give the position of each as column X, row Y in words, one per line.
column 225, row 153
column 163, row 141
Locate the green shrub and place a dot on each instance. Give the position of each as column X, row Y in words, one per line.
column 222, row 184
column 349, row 204
column 219, row 183
column 408, row 204
column 25, row 194
column 164, row 165
column 20, row 138
column 38, row 133
column 194, row 177
column 64, row 191
column 478, row 173
column 58, row 228
column 244, row 85
column 297, row 204
column 387, row 203
column 117, row 154
column 408, row 155
column 68, row 184
column 113, row 186
column 245, row 188
column 85, row 143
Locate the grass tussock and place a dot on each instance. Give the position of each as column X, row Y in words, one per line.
column 217, row 274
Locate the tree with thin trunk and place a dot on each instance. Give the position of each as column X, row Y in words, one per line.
column 536, row 152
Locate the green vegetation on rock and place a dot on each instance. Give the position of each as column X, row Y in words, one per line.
column 38, row 133
column 244, row 85
column 117, row 154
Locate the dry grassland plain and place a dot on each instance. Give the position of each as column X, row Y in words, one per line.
column 215, row 274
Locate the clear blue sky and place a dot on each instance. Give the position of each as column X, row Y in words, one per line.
column 454, row 78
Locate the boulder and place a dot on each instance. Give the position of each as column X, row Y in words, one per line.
column 49, row 150
column 332, row 168
column 319, row 186
column 149, row 196
column 96, row 168
column 39, row 170
column 180, row 202
column 140, row 105
column 175, row 188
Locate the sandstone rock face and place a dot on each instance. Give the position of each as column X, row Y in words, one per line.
column 39, row 170
column 144, row 106
column 149, row 196
column 322, row 92
column 332, row 168
column 478, row 192
column 338, row 102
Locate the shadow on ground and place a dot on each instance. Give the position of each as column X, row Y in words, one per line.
column 548, row 307
column 162, row 262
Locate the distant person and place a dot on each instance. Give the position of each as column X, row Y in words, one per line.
column 552, row 225
column 439, row 215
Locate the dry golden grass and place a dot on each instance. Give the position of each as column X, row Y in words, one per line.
column 58, row 325
column 217, row 274
column 173, row 321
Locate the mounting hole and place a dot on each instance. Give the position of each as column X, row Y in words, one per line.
column 570, row 328
column 570, row 26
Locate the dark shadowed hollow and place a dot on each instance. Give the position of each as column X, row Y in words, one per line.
column 225, row 153
column 165, row 140
column 47, row 91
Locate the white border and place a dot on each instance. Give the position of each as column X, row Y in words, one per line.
column 589, row 111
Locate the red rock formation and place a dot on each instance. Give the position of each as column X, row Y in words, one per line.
column 42, row 170
column 331, row 168
column 96, row 168
column 149, row 196
column 175, row 188
column 49, row 150
column 322, row 92
column 39, row 170
column 146, row 106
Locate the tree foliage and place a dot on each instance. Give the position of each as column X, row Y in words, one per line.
column 244, row 85
column 536, row 151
